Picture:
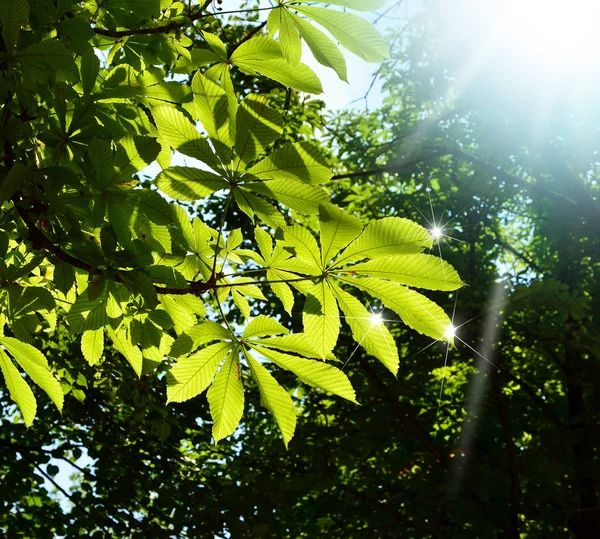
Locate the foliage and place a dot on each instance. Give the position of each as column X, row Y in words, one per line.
column 503, row 450
column 125, row 263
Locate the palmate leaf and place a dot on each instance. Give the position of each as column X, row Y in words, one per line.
column 203, row 333
column 253, row 205
column 298, row 343
column 130, row 351
column 274, row 398
column 89, row 70
column 354, row 33
column 13, row 14
column 298, row 196
column 211, row 108
column 46, row 58
column 226, row 398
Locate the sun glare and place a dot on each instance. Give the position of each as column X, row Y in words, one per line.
column 376, row 319
column 450, row 332
column 436, row 232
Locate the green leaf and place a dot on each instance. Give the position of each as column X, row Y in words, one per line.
column 19, row 390
column 191, row 375
column 298, row 196
column 289, row 38
column 182, row 318
column 263, row 325
column 298, row 343
column 177, row 131
column 258, row 125
column 257, row 48
column 353, row 32
column 320, row 318
column 140, row 152
column 386, row 237
column 305, row 245
column 311, row 372
column 13, row 15
column 85, row 314
column 294, row 161
column 226, row 399
column 338, row 229
column 323, row 48
column 12, row 182
column 46, row 58
column 419, row 270
column 358, row 5
column 212, row 109
column 29, row 299
column 140, row 283
column 131, row 352
column 35, row 365
column 374, row 338
column 282, row 291
column 417, row 311
column 96, row 286
column 198, row 335
column 275, row 398
column 189, row 184
column 166, row 275
column 251, row 204
column 215, row 44
column 263, row 55
column 92, row 345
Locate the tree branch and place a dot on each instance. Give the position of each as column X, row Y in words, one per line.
column 173, row 26
column 432, row 152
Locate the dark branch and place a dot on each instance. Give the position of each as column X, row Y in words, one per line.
column 173, row 26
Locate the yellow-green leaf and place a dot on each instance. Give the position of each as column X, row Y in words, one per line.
column 275, row 398
column 373, row 337
column 19, row 390
column 226, row 398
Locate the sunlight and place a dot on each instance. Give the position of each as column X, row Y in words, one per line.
column 450, row 332
column 530, row 39
column 436, row 232
column 376, row 319
column 555, row 32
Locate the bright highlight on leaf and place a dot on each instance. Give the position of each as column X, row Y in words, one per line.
column 436, row 232
column 376, row 319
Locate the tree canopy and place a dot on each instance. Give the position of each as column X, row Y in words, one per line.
column 180, row 216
